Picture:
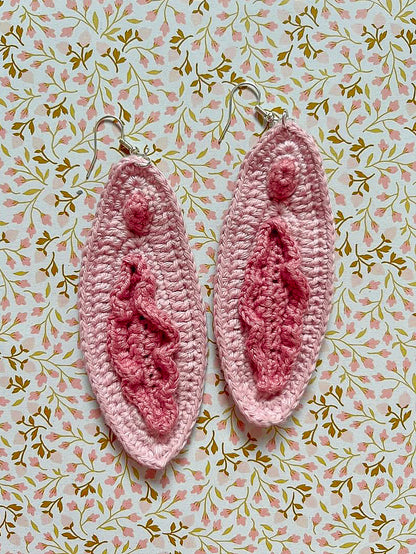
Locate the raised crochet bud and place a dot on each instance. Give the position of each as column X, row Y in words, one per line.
column 282, row 178
column 136, row 213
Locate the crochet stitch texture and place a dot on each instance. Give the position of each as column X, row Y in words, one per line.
column 123, row 234
column 142, row 342
column 273, row 300
column 301, row 204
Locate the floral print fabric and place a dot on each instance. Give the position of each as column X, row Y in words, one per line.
column 338, row 475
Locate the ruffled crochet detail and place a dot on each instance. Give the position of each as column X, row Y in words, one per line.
column 142, row 342
column 274, row 298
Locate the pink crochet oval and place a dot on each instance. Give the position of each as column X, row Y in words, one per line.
column 273, row 300
column 307, row 216
column 166, row 251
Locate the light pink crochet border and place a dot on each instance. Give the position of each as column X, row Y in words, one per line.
column 168, row 255
column 308, row 216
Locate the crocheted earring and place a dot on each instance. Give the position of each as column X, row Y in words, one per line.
column 143, row 329
column 274, row 280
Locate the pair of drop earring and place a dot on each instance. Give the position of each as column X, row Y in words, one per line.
column 142, row 319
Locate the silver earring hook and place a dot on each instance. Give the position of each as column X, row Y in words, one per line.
column 123, row 142
column 270, row 117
